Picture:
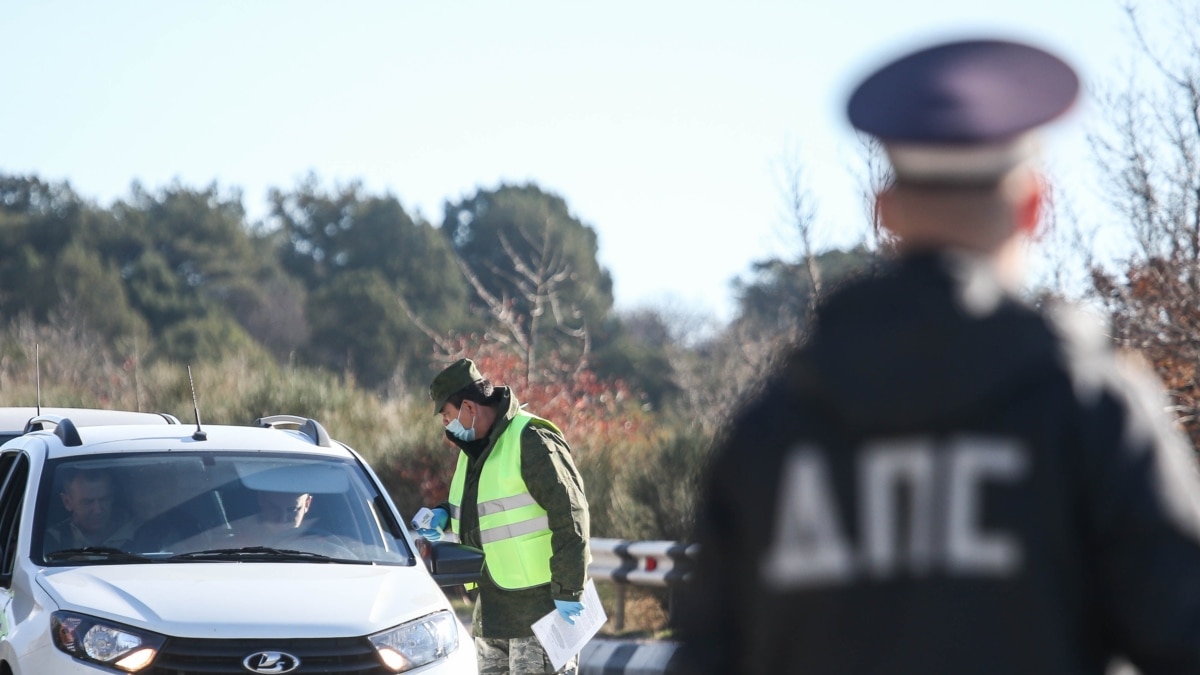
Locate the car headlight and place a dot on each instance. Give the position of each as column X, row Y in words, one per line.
column 101, row 641
column 416, row 643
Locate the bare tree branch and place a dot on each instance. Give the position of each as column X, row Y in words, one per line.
column 438, row 339
column 1150, row 159
column 801, row 216
column 500, row 309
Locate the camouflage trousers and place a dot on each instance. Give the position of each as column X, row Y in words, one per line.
column 518, row 656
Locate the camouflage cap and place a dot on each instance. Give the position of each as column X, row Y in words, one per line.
column 455, row 377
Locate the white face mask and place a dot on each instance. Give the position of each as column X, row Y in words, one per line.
column 457, row 430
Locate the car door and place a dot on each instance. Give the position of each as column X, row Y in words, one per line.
column 14, row 475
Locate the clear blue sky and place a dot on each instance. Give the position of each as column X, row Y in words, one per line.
column 661, row 122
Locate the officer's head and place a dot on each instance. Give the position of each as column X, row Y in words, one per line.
column 959, row 123
column 456, row 381
column 461, row 394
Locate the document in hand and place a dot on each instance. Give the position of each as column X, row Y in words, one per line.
column 562, row 640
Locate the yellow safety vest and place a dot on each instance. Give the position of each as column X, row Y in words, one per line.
column 513, row 528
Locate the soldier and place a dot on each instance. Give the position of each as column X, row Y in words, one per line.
column 517, row 494
column 945, row 479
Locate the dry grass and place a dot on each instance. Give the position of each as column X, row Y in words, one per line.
column 645, row 613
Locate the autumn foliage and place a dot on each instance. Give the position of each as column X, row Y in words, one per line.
column 1155, row 310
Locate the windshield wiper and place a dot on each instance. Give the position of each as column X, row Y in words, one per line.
column 106, row 553
column 251, row 553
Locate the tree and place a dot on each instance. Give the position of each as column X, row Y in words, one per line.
column 533, row 267
column 38, row 220
column 95, row 289
column 206, row 339
column 776, row 304
column 271, row 311
column 327, row 237
column 184, row 255
column 358, row 327
column 635, row 347
column 329, row 232
column 1149, row 157
column 779, row 299
column 800, row 215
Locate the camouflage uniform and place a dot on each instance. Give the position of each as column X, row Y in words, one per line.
column 498, row 656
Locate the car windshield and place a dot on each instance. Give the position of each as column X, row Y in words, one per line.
column 214, row 506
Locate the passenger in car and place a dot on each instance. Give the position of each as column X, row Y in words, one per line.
column 280, row 517
column 88, row 496
column 283, row 521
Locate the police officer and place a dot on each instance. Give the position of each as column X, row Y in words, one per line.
column 517, row 494
column 945, row 479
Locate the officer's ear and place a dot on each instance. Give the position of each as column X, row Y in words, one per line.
column 893, row 215
column 885, row 210
column 1029, row 192
column 1031, row 199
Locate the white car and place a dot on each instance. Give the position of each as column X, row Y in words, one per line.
column 179, row 550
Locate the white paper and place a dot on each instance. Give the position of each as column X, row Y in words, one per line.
column 562, row 640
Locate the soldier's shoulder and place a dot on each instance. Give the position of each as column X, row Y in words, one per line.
column 544, row 433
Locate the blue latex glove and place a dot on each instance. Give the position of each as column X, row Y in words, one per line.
column 569, row 610
column 440, row 519
column 431, row 533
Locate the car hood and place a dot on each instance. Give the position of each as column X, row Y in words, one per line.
column 248, row 600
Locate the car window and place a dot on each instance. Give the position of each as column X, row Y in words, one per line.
column 182, row 507
column 14, row 474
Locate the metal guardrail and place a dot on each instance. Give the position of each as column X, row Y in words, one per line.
column 663, row 564
column 622, row 657
column 642, row 563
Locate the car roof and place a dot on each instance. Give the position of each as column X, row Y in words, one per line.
column 182, row 438
column 14, row 418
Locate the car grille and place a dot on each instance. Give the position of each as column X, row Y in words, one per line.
column 332, row 656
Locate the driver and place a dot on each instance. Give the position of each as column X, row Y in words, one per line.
column 93, row 520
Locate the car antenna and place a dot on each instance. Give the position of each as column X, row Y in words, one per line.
column 199, row 434
column 37, row 374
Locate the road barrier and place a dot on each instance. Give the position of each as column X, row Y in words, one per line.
column 641, row 563
column 661, row 564
column 617, row 657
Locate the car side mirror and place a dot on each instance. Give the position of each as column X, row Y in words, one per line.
column 453, row 564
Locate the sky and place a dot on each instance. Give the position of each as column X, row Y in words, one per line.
column 664, row 124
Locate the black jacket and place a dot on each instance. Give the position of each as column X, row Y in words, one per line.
column 944, row 480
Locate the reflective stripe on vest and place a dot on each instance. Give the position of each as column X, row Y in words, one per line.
column 513, row 528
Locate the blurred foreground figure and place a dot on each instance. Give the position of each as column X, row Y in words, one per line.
column 945, row 479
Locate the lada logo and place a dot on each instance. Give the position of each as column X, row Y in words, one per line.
column 270, row 663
